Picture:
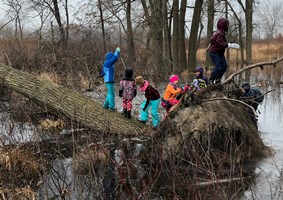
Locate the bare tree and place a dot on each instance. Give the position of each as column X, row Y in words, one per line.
column 193, row 40
column 15, row 10
column 130, row 36
column 210, row 20
column 271, row 18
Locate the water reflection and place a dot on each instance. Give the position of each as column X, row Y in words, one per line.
column 269, row 177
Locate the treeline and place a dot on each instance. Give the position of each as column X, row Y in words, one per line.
column 157, row 37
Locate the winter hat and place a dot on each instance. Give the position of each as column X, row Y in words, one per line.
column 139, row 80
column 245, row 86
column 173, row 78
column 199, row 69
column 129, row 73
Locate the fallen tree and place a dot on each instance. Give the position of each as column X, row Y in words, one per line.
column 73, row 105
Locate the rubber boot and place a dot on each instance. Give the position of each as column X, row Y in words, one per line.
column 125, row 112
column 129, row 115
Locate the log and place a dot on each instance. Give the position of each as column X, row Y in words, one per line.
column 67, row 102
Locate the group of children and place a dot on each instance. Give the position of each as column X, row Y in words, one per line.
column 173, row 92
column 128, row 90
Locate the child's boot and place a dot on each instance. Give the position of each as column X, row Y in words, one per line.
column 125, row 112
column 129, row 115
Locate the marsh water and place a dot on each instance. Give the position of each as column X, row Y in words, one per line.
column 268, row 172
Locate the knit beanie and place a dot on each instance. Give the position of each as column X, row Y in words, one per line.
column 173, row 78
column 139, row 80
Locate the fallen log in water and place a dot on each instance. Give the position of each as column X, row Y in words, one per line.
column 73, row 105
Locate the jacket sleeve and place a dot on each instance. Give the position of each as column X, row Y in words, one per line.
column 221, row 40
column 121, row 89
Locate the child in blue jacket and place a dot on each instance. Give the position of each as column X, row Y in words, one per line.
column 108, row 72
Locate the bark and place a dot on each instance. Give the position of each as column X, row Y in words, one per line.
column 69, row 103
column 193, row 41
column 182, row 38
column 130, row 36
column 210, row 20
column 175, row 39
column 249, row 28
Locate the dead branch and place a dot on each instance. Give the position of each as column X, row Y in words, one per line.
column 234, row 100
column 250, row 67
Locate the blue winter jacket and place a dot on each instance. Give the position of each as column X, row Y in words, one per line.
column 108, row 67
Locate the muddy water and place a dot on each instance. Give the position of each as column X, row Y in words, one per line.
column 269, row 171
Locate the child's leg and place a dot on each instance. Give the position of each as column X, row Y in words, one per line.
column 144, row 114
column 154, row 112
column 129, row 108
column 111, row 95
column 124, row 107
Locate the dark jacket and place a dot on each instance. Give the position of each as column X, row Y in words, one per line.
column 108, row 66
column 151, row 94
column 201, row 76
column 218, row 42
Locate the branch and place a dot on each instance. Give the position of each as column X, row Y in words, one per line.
column 234, row 100
column 250, row 67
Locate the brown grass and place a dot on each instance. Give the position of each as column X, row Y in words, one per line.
column 261, row 52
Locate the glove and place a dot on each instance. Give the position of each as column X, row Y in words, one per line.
column 233, row 45
column 118, row 49
column 186, row 88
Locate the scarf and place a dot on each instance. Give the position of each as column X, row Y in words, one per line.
column 143, row 88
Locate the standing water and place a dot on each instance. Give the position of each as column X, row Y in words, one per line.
column 269, row 171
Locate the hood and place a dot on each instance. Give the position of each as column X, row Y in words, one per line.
column 109, row 55
column 223, row 24
column 199, row 69
column 129, row 73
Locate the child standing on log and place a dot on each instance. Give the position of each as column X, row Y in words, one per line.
column 108, row 72
column 127, row 91
column 152, row 101
column 216, row 50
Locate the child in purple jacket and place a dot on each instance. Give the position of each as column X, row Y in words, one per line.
column 216, row 50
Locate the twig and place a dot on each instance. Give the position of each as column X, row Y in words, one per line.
column 250, row 67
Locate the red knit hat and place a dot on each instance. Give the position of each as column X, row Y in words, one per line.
column 173, row 78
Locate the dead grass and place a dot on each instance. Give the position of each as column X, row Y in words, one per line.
column 261, row 52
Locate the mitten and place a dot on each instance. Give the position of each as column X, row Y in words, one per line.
column 186, row 88
column 233, row 45
column 118, row 49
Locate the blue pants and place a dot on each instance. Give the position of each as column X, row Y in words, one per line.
column 220, row 66
column 153, row 104
column 109, row 102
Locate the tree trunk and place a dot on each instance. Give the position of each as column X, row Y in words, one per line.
column 182, row 38
column 210, row 20
column 193, row 41
column 69, row 103
column 130, row 36
column 175, row 40
column 249, row 28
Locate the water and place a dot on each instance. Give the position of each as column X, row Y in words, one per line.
column 269, row 177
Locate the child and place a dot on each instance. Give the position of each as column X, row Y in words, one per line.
column 252, row 96
column 108, row 72
column 172, row 90
column 216, row 50
column 127, row 91
column 200, row 81
column 152, row 100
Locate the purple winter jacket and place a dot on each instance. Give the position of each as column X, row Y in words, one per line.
column 218, row 42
